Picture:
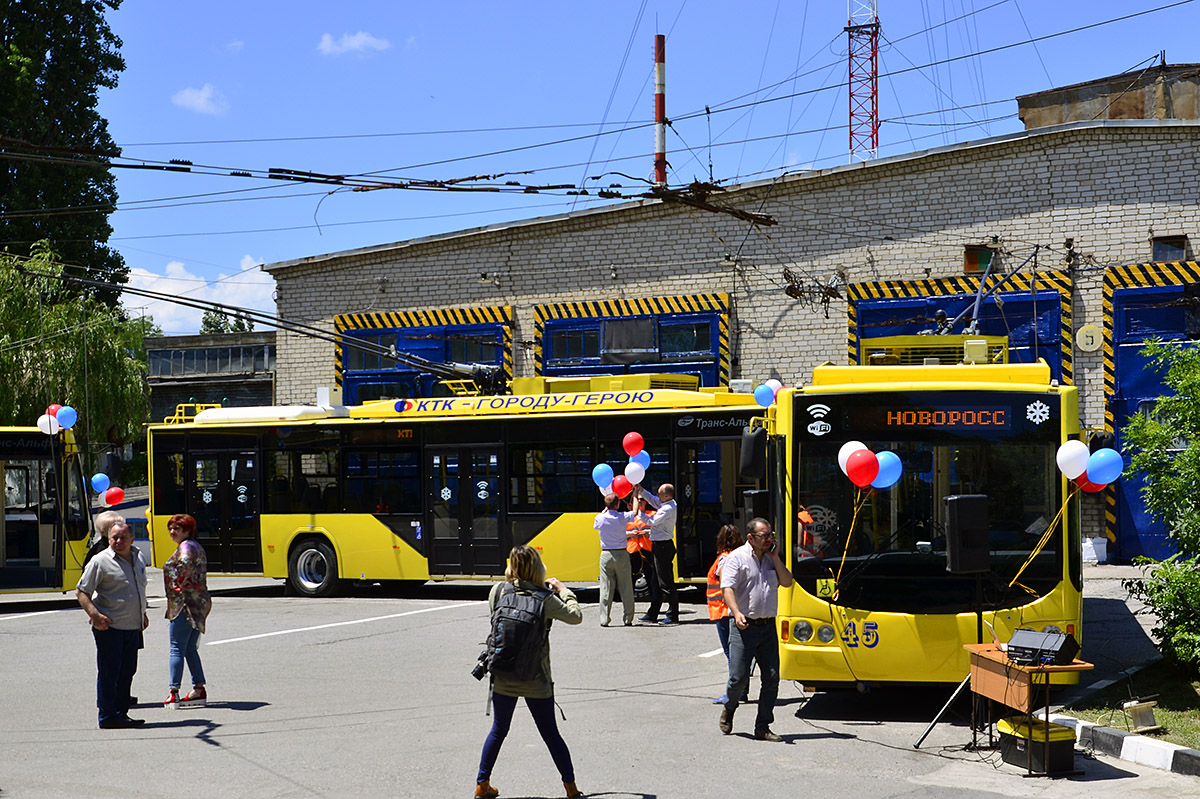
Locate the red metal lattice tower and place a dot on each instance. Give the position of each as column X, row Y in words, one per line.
column 863, row 32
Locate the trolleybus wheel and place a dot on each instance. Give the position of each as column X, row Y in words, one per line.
column 312, row 568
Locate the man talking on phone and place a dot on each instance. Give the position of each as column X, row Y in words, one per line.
column 750, row 581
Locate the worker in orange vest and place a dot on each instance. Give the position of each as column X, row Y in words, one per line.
column 639, row 546
column 728, row 539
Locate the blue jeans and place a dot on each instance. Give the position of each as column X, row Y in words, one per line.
column 723, row 634
column 184, row 640
column 542, row 711
column 756, row 642
column 116, row 663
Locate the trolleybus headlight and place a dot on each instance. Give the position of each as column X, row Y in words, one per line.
column 825, row 633
column 802, row 631
column 1052, row 629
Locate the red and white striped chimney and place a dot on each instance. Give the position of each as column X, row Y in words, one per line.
column 660, row 109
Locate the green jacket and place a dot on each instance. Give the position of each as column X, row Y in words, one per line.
column 562, row 607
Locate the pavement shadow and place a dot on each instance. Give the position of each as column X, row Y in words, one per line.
column 919, row 703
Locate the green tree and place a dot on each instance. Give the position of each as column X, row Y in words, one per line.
column 60, row 346
column 216, row 322
column 1165, row 448
column 55, row 180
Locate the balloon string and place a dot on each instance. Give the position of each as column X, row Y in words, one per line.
column 1044, row 539
column 859, row 500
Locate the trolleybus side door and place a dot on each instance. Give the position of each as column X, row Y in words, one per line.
column 224, row 502
column 464, row 510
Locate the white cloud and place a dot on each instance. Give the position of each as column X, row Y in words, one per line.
column 359, row 42
column 235, row 47
column 249, row 288
column 206, row 100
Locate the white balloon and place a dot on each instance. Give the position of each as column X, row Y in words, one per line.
column 848, row 449
column 48, row 424
column 1072, row 459
column 634, row 472
column 606, row 490
column 774, row 384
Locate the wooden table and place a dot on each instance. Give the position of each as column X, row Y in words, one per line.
column 1014, row 685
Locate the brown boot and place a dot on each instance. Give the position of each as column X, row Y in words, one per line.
column 485, row 789
column 572, row 791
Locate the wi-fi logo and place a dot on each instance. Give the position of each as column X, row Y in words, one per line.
column 818, row 411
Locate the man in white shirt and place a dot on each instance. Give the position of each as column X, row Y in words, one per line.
column 750, row 580
column 616, row 571
column 112, row 590
column 662, row 550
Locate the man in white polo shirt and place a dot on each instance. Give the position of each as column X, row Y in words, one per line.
column 113, row 592
column 616, row 571
column 750, row 581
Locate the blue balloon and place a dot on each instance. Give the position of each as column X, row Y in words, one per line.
column 764, row 395
column 100, row 482
column 643, row 458
column 890, row 468
column 67, row 417
column 1104, row 466
column 602, row 475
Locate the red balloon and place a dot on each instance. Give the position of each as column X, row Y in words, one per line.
column 114, row 496
column 1087, row 485
column 632, row 443
column 862, row 467
column 622, row 486
column 53, row 409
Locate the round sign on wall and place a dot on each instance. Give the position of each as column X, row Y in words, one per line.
column 1089, row 338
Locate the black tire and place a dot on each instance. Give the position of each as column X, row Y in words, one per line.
column 312, row 568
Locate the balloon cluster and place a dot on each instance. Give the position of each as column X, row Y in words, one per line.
column 1091, row 471
column 102, row 485
column 609, row 482
column 866, row 468
column 764, row 395
column 63, row 417
column 57, row 417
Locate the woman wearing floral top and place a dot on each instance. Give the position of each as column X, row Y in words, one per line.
column 185, row 575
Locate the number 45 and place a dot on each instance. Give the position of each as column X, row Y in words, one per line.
column 870, row 635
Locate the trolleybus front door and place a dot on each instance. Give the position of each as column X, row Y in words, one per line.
column 465, row 511
column 224, row 502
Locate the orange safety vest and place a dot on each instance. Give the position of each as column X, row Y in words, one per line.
column 632, row 545
column 717, row 609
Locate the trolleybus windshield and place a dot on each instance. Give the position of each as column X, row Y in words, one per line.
column 886, row 547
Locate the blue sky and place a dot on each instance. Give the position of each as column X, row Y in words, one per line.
column 404, row 91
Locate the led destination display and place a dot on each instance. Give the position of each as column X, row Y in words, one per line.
column 904, row 415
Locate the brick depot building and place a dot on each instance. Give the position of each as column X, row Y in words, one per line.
column 1098, row 215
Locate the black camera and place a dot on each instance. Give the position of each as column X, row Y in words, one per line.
column 481, row 666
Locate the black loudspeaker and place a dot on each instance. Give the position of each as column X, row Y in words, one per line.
column 1030, row 648
column 758, row 504
column 967, row 549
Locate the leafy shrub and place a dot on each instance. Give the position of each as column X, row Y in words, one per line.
column 1171, row 589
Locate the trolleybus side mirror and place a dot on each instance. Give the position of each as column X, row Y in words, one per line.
column 753, row 463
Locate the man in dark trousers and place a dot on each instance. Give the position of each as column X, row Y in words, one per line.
column 662, row 551
column 113, row 592
column 750, row 580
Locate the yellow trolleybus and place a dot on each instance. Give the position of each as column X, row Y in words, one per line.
column 442, row 488
column 888, row 588
column 45, row 526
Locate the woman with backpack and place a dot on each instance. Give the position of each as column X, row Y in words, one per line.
column 526, row 574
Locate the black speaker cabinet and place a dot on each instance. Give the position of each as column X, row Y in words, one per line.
column 1031, row 648
column 967, row 533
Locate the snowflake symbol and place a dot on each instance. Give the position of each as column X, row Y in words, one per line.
column 1037, row 412
column 207, row 497
column 446, row 494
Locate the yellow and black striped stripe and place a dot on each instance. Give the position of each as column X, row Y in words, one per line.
column 382, row 320
column 1136, row 276
column 965, row 285
column 652, row 306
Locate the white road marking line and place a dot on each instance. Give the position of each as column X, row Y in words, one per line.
column 35, row 613
column 341, row 623
column 711, row 654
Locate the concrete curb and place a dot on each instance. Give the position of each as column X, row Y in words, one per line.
column 1132, row 747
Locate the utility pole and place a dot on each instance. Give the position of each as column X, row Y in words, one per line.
column 660, row 110
column 863, row 32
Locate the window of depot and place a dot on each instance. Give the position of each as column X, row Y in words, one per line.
column 976, row 259
column 1169, row 248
